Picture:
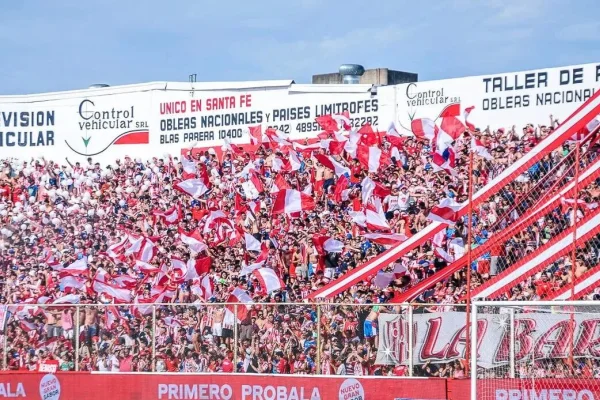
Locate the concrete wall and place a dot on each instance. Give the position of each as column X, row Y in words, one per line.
column 376, row 76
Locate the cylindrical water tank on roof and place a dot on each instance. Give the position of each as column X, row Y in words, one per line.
column 351, row 73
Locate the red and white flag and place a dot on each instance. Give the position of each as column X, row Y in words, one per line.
column 193, row 239
column 179, row 270
column 569, row 203
column 335, row 122
column 275, row 136
column 249, row 268
column 213, row 219
column 307, row 148
column 189, row 168
column 294, row 162
column 334, row 147
column 198, row 267
column 424, row 128
column 71, row 283
column 451, row 110
column 341, row 189
column 239, row 296
column 586, row 130
column 466, row 113
column 385, row 239
column 171, row 216
column 279, row 183
column 125, row 281
column 204, row 288
column 193, row 187
column 117, row 294
column 332, row 164
column 440, row 252
column 112, row 317
column 446, row 212
column 376, row 220
column 115, row 251
column 145, row 268
column 290, row 201
column 394, row 137
column 255, row 181
column 325, row 244
column 269, row 280
column 372, row 157
column 251, row 243
column 444, row 162
column 234, row 149
column 479, row 148
column 78, row 267
column 255, row 134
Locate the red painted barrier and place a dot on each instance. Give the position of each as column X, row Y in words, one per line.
column 85, row 386
column 71, row 386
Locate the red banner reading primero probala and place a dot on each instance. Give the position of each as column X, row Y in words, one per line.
column 83, row 386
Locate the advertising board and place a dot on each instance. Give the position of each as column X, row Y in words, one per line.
column 181, row 119
column 149, row 120
column 502, row 100
column 76, row 126
column 71, row 386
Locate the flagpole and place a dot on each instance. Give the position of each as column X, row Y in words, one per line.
column 469, row 262
column 574, row 252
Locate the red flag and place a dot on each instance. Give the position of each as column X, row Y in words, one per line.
column 255, row 134
column 289, row 201
column 451, row 110
column 340, row 186
column 368, row 136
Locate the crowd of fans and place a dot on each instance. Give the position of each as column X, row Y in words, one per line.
column 69, row 230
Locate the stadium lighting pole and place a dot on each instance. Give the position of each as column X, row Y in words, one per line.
column 574, row 253
column 469, row 262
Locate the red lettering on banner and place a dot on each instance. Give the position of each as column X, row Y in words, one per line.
column 558, row 338
column 220, row 103
column 460, row 338
column 196, row 105
column 523, row 339
column 245, row 100
column 397, row 331
column 173, row 107
column 431, row 336
column 588, row 342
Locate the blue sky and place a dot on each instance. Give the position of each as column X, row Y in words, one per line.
column 69, row 44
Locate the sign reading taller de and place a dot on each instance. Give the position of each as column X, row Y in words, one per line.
column 502, row 100
column 156, row 118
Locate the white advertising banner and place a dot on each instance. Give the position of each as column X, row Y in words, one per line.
column 158, row 118
column 165, row 117
column 182, row 119
column 502, row 100
column 440, row 337
column 74, row 125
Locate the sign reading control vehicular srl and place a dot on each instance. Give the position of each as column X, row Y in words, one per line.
column 75, row 125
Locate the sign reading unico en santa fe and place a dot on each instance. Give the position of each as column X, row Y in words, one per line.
column 208, row 118
column 502, row 100
column 440, row 337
